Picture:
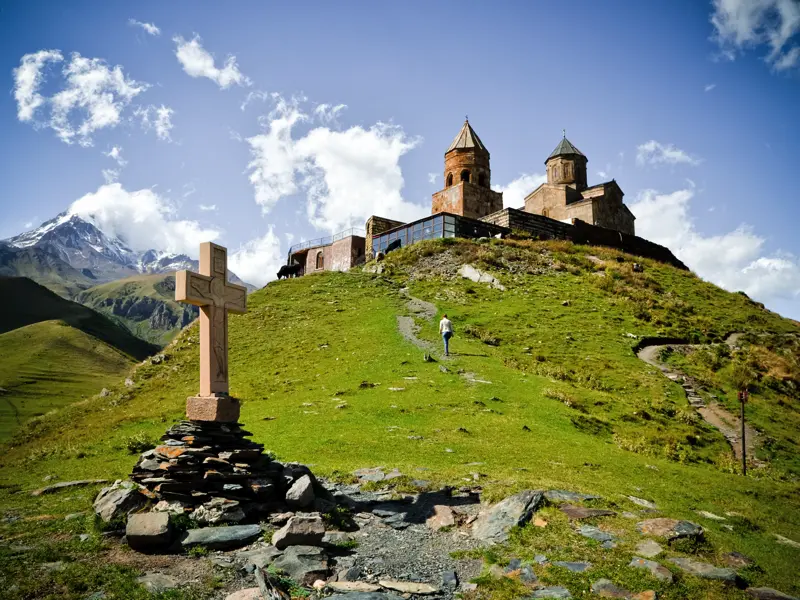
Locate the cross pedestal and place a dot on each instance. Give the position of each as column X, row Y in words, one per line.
column 211, row 291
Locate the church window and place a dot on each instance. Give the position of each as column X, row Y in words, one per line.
column 482, row 180
column 449, row 179
column 465, row 175
column 320, row 260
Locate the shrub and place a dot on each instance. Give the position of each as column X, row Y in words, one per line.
column 139, row 442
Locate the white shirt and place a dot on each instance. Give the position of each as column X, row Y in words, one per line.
column 445, row 326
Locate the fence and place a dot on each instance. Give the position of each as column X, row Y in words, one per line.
column 326, row 241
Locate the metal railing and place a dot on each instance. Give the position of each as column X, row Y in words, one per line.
column 325, row 241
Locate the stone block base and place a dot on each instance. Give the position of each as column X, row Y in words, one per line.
column 221, row 409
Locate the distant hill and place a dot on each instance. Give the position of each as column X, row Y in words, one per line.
column 26, row 302
column 47, row 365
column 144, row 304
column 44, row 266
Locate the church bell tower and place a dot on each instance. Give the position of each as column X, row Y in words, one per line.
column 467, row 179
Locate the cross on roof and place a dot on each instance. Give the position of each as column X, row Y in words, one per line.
column 211, row 291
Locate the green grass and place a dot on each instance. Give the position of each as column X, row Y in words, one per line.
column 48, row 365
column 131, row 301
column 598, row 419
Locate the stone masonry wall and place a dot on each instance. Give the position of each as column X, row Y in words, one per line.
column 477, row 163
column 376, row 226
column 345, row 253
column 311, row 258
column 468, row 200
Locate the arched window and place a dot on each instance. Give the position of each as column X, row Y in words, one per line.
column 449, row 180
column 545, row 212
column 482, row 180
column 465, row 175
column 320, row 260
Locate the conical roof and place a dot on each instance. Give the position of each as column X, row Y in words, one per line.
column 467, row 138
column 564, row 147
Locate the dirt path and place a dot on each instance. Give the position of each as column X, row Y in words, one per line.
column 713, row 413
column 408, row 326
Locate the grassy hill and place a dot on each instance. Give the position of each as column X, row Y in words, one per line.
column 48, row 365
column 144, row 304
column 543, row 391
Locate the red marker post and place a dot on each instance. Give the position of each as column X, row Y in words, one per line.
column 742, row 399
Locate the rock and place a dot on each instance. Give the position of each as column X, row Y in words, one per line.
column 519, row 570
column 670, row 529
column 218, row 510
column 444, row 369
column 300, row 530
column 710, row 515
column 649, row 548
column 66, row 484
column 442, row 517
column 84, row 537
column 304, row 564
column 222, row 538
column 364, row 595
column 258, row 558
column 786, row 541
column 375, row 474
column 155, row 583
column 765, row 593
column 116, row 501
column 554, row 591
column 280, row 518
column 337, row 538
column 350, row 574
column 73, row 516
column 704, row 570
column 581, row 512
column 492, row 525
column 470, row 272
column 408, row 587
column 301, row 494
column 353, row 586
column 449, row 580
column 606, row 589
column 656, row 570
column 175, row 508
column 737, row 560
column 557, row 496
column 643, row 503
column 104, row 393
column 606, row 539
column 246, row 594
column 575, row 567
column 148, row 531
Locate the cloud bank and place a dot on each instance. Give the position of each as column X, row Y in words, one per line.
column 514, row 192
column 655, row 153
column 199, row 62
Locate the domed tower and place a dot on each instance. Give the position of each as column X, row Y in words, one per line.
column 467, row 178
column 567, row 165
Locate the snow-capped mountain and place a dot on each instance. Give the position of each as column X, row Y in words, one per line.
column 98, row 256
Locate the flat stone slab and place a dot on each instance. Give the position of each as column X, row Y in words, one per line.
column 353, row 586
column 649, row 548
column 520, row 570
column 493, row 525
column 157, row 582
column 557, row 496
column 222, row 538
column 606, row 539
column 575, row 567
column 66, row 484
column 657, row 570
column 670, row 529
column 765, row 593
column 710, row 515
column 704, row 570
column 581, row 512
column 786, row 541
column 554, row 591
column 148, row 531
column 643, row 503
column 259, row 558
column 364, row 596
column 304, row 564
column 409, row 587
column 246, row 594
column 300, row 530
column 605, row 588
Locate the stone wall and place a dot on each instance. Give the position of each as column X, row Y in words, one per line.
column 311, row 258
column 468, row 200
column 537, row 225
column 477, row 163
column 345, row 253
column 611, row 213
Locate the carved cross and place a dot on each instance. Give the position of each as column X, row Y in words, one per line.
column 211, row 291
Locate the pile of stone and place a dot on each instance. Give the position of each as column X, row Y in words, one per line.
column 212, row 472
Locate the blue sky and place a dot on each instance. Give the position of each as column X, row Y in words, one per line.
column 259, row 124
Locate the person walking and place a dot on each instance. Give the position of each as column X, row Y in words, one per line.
column 446, row 329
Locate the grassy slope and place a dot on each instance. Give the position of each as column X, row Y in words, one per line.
column 48, row 365
column 307, row 344
column 26, row 302
column 132, row 290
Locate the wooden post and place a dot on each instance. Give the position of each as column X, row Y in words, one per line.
column 742, row 400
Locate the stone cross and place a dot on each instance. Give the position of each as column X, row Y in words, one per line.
column 211, row 291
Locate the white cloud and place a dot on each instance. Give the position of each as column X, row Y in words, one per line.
column 347, row 175
column 157, row 118
column 93, row 95
column 258, row 260
column 207, row 207
column 150, row 28
column 432, row 177
column 28, row 78
column 742, row 24
column 655, row 153
column 709, row 87
column 141, row 218
column 116, row 154
column 327, row 113
column 110, row 175
column 255, row 95
column 514, row 192
column 602, row 174
column 199, row 62
column 735, row 260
